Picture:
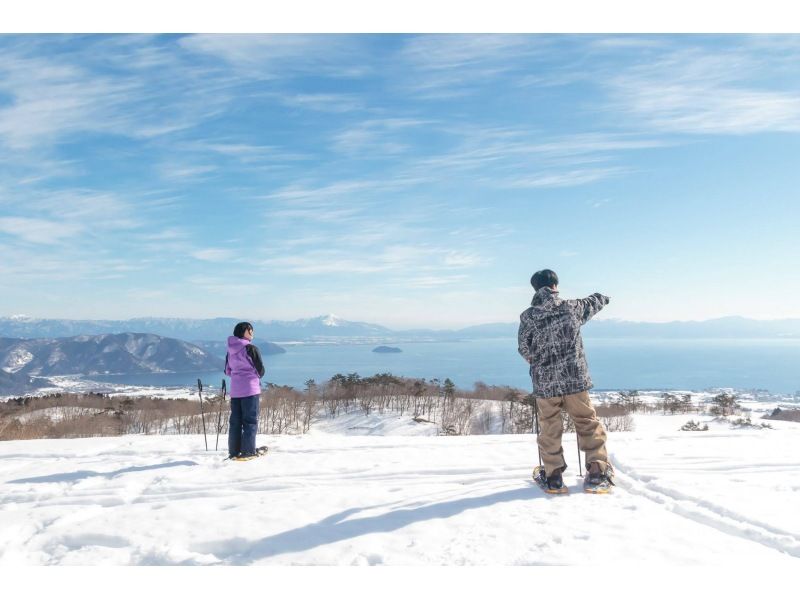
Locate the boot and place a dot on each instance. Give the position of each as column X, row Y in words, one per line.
column 555, row 481
column 597, row 480
column 552, row 484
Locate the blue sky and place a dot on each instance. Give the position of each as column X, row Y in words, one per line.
column 407, row 180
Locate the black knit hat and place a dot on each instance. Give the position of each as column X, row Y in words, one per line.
column 544, row 278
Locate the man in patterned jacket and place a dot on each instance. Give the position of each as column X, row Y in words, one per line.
column 550, row 341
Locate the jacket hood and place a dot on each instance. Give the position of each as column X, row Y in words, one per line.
column 237, row 344
column 544, row 298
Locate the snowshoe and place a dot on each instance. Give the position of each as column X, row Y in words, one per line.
column 598, row 482
column 260, row 452
column 551, row 485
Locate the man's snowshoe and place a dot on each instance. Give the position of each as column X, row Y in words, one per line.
column 551, row 485
column 260, row 452
column 598, row 482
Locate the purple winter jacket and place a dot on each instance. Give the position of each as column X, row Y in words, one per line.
column 243, row 364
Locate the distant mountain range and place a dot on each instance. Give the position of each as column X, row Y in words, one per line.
column 124, row 353
column 329, row 328
column 128, row 353
column 215, row 329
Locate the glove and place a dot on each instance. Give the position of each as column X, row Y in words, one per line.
column 603, row 298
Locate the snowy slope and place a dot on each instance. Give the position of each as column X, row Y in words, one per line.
column 385, row 490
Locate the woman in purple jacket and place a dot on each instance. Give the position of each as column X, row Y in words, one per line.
column 243, row 364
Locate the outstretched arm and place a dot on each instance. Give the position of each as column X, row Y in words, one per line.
column 585, row 309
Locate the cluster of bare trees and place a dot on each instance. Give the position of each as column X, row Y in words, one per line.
column 672, row 403
column 287, row 410
column 454, row 411
column 284, row 410
column 632, row 401
column 80, row 415
column 725, row 404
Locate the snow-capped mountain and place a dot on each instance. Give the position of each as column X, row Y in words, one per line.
column 308, row 329
column 332, row 328
column 331, row 320
column 321, row 327
column 103, row 354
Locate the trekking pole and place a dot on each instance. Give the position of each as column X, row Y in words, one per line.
column 219, row 413
column 202, row 415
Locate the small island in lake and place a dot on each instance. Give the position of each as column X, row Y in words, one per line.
column 385, row 349
column 271, row 348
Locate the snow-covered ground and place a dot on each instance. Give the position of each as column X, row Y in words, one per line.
column 386, row 490
column 79, row 384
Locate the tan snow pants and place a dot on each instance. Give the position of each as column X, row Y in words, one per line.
column 591, row 435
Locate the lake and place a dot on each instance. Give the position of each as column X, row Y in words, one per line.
column 680, row 364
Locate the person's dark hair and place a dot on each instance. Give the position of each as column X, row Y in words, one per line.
column 544, row 278
column 241, row 328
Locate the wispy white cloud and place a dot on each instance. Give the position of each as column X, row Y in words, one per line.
column 705, row 92
column 344, row 212
column 709, row 110
column 571, row 178
column 73, row 211
column 108, row 85
column 37, row 230
column 324, row 262
column 95, row 212
column 214, row 255
column 50, row 100
column 272, row 55
column 507, row 158
column 599, row 203
column 248, row 153
column 166, row 234
column 186, row 171
column 396, row 258
column 300, row 194
column 334, row 202
column 325, row 102
column 627, row 42
column 442, row 66
column 347, row 196
column 430, row 282
column 457, row 259
column 213, row 284
column 318, row 214
column 378, row 137
column 29, row 264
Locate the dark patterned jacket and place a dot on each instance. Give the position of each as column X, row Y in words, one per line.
column 550, row 340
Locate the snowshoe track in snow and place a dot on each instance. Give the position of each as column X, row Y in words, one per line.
column 706, row 512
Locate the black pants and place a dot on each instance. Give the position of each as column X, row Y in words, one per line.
column 243, row 426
